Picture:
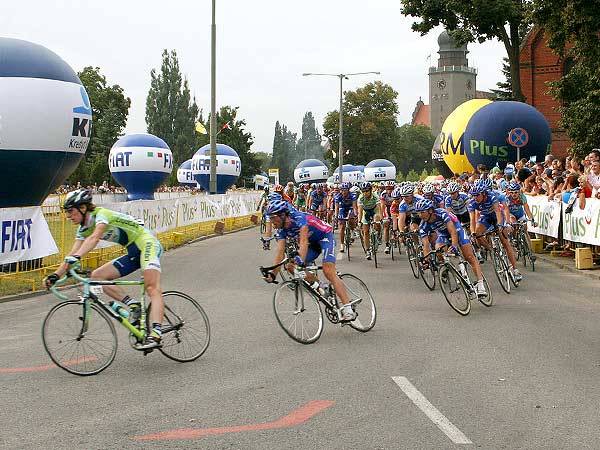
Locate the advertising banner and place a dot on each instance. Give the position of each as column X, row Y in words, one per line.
column 24, row 235
column 546, row 213
column 583, row 225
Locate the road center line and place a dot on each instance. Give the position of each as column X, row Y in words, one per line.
column 431, row 411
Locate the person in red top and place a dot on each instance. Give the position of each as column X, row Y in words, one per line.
column 280, row 190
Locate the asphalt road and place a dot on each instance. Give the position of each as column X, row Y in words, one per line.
column 522, row 374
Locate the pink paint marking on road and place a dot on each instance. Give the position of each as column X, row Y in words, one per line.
column 46, row 367
column 296, row 417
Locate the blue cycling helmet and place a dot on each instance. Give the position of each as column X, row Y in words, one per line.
column 486, row 182
column 478, row 187
column 345, row 185
column 513, row 186
column 274, row 196
column 428, row 188
column 423, row 205
column 453, row 187
column 396, row 193
column 278, row 207
column 366, row 186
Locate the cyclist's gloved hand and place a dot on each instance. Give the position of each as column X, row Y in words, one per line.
column 51, row 280
column 298, row 260
column 534, row 224
column 72, row 259
column 454, row 249
column 269, row 277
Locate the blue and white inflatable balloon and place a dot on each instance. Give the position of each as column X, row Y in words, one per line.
column 229, row 167
column 351, row 174
column 140, row 163
column 185, row 177
column 311, row 171
column 380, row 170
column 45, row 122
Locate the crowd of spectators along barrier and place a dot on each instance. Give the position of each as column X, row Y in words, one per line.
column 27, row 276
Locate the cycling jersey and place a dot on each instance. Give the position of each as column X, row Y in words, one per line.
column 486, row 208
column 436, row 198
column 457, row 206
column 320, row 235
column 317, row 199
column 441, row 218
column 143, row 249
column 409, row 208
column 368, row 203
column 387, row 200
column 345, row 202
column 515, row 205
column 300, row 199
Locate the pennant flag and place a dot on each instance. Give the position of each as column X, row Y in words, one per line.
column 200, row 128
column 226, row 127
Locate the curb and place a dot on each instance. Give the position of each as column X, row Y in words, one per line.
column 25, row 295
column 593, row 274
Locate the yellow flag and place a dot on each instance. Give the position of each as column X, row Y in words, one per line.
column 200, row 128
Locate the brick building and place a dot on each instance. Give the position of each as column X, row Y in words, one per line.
column 539, row 65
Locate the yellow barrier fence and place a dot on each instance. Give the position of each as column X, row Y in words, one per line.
column 28, row 276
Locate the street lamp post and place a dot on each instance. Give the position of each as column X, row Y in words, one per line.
column 341, row 76
column 212, row 183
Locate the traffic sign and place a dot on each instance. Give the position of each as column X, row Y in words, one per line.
column 518, row 137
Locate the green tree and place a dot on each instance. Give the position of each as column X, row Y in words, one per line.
column 399, row 177
column 414, row 147
column 424, row 174
column 170, row 112
column 412, row 175
column 265, row 160
column 504, row 91
column 293, row 156
column 370, row 124
column 110, row 109
column 309, row 144
column 278, row 160
column 571, row 27
column 478, row 20
column 434, row 171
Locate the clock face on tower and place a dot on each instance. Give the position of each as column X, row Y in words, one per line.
column 469, row 84
column 442, row 84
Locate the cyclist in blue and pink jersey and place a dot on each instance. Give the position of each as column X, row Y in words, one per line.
column 430, row 193
column 331, row 196
column 314, row 237
column 518, row 207
column 316, row 201
column 406, row 209
column 386, row 205
column 345, row 210
column 442, row 228
column 485, row 214
column 456, row 202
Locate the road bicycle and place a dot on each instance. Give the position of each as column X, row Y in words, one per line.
column 412, row 250
column 520, row 242
column 296, row 304
column 79, row 335
column 499, row 259
column 458, row 281
column 375, row 238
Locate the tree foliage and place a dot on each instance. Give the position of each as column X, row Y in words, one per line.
column 370, row 124
column 571, row 27
column 478, row 20
column 309, row 144
column 170, row 112
column 414, row 148
column 284, row 152
column 110, row 109
column 504, row 91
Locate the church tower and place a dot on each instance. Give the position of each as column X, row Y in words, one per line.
column 451, row 83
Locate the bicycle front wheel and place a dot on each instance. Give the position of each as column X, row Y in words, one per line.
column 413, row 258
column 82, row 344
column 185, row 328
column 362, row 302
column 454, row 289
column 298, row 312
column 374, row 246
column 428, row 275
column 501, row 269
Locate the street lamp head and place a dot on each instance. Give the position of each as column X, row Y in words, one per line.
column 306, row 74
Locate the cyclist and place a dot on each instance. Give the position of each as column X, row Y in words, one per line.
column 518, row 207
column 442, row 228
column 407, row 207
column 268, row 226
column 456, row 203
column 300, row 198
column 314, row 237
column 430, row 193
column 316, row 201
column 345, row 208
column 330, row 205
column 485, row 214
column 368, row 211
column 143, row 251
column 279, row 189
column 386, row 204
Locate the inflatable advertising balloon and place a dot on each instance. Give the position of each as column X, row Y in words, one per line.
column 140, row 163
column 311, row 171
column 45, row 122
column 486, row 138
column 380, row 170
column 351, row 174
column 229, row 167
column 452, row 135
column 185, row 177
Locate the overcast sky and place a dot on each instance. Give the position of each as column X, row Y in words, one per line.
column 263, row 47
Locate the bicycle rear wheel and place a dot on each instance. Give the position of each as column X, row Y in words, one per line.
column 298, row 312
column 489, row 299
column 374, row 238
column 78, row 348
column 454, row 289
column 185, row 328
column 501, row 270
column 362, row 303
column 413, row 258
column 347, row 239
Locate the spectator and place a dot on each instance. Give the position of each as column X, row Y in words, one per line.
column 548, row 165
column 594, row 178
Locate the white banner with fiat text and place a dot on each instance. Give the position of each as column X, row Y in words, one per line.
column 24, row 235
column 583, row 225
column 546, row 213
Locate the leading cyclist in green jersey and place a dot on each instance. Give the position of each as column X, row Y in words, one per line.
column 143, row 251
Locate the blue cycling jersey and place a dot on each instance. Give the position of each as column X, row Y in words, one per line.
column 441, row 218
column 486, row 207
column 346, row 202
column 436, row 198
column 409, row 208
column 515, row 205
column 317, row 229
column 458, row 206
column 501, row 196
column 317, row 198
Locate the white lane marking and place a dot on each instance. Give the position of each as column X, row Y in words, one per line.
column 431, row 411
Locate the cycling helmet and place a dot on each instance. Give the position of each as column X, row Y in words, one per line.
column 486, row 183
column 478, row 187
column 423, row 205
column 428, row 188
column 389, row 183
column 407, row 189
column 345, row 185
column 396, row 193
column 513, row 186
column 278, row 207
column 274, row 196
column 278, row 188
column 453, row 187
column 366, row 186
column 78, row 197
